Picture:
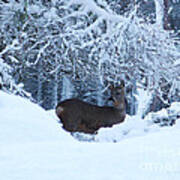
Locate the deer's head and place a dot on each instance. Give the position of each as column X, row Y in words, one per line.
column 117, row 94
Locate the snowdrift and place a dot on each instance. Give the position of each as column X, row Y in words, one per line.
column 24, row 122
column 33, row 146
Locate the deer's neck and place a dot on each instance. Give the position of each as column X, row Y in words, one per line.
column 120, row 103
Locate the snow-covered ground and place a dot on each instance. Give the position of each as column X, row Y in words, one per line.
column 34, row 146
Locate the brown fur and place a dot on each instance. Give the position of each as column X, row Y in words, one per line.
column 79, row 116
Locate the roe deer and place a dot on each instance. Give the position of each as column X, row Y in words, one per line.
column 79, row 116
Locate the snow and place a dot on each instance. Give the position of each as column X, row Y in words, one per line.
column 91, row 6
column 143, row 98
column 159, row 13
column 21, row 122
column 34, row 146
column 130, row 128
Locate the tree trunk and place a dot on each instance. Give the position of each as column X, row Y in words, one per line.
column 167, row 25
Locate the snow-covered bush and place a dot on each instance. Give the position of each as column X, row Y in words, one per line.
column 7, row 82
column 165, row 117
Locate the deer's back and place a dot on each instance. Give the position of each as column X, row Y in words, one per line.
column 77, row 115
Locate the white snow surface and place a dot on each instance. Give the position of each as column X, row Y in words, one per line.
column 33, row 146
